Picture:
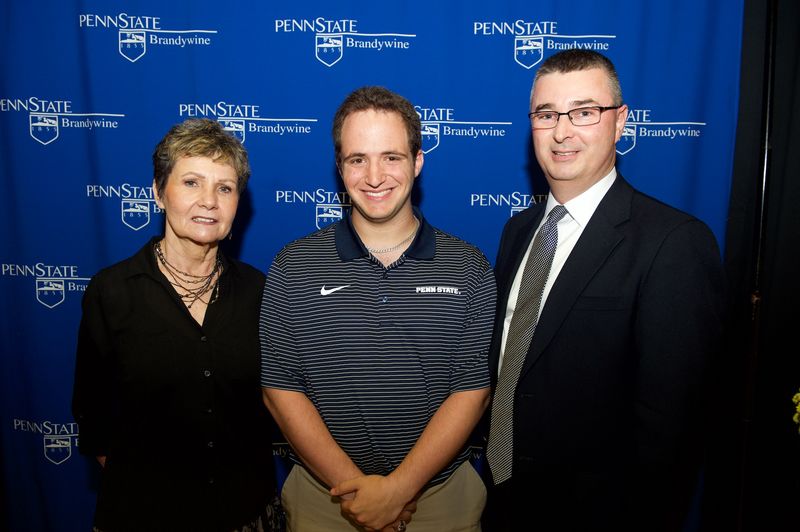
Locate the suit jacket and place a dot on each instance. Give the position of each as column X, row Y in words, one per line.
column 608, row 405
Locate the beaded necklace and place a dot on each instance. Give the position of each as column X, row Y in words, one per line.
column 191, row 288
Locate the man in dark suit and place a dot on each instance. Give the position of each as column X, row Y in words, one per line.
column 605, row 330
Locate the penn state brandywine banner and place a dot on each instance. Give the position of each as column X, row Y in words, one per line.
column 88, row 88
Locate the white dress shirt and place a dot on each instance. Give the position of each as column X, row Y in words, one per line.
column 579, row 211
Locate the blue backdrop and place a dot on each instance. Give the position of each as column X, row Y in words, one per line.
column 88, row 88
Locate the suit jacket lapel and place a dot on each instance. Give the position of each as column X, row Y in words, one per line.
column 597, row 241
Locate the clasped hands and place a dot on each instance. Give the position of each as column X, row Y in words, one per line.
column 375, row 502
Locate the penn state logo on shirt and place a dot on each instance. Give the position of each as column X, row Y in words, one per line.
column 448, row 290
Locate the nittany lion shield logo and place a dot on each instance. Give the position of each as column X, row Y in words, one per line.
column 57, row 449
column 132, row 44
column 628, row 139
column 528, row 51
column 430, row 136
column 329, row 48
column 44, row 128
column 328, row 214
column 135, row 213
column 50, row 292
column 234, row 127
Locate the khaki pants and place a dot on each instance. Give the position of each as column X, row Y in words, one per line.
column 454, row 505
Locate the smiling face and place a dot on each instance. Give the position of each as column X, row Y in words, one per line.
column 199, row 200
column 377, row 166
column 573, row 158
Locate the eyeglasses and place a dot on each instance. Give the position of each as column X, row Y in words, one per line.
column 582, row 116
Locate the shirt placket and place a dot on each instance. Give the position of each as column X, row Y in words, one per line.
column 382, row 296
column 205, row 356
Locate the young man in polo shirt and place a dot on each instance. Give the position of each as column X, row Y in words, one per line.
column 374, row 338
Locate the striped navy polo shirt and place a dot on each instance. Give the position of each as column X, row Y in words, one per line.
column 377, row 350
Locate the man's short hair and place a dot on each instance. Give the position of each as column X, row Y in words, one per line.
column 199, row 137
column 379, row 99
column 573, row 60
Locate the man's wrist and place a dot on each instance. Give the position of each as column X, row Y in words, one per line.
column 404, row 487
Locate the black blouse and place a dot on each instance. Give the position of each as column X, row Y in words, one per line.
column 176, row 407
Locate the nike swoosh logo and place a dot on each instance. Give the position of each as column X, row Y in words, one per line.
column 327, row 291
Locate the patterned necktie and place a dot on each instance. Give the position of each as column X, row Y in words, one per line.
column 500, row 449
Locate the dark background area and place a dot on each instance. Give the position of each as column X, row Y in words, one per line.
column 753, row 478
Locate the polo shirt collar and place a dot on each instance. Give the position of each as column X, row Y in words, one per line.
column 349, row 244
